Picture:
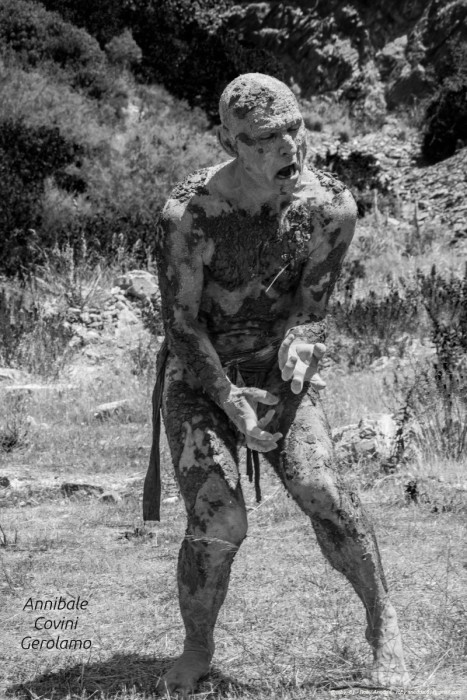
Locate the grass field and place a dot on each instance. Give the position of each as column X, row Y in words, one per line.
column 291, row 627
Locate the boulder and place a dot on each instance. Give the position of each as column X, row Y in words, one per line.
column 171, row 500
column 110, row 497
column 126, row 318
column 106, row 410
column 12, row 375
column 368, row 439
column 71, row 489
column 391, row 58
column 139, row 284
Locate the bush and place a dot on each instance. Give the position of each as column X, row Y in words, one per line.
column 445, row 124
column 370, row 328
column 27, row 156
column 123, row 50
column 433, row 399
column 37, row 36
column 31, row 338
column 445, row 301
column 103, row 20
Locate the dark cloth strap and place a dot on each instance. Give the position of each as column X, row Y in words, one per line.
column 152, row 482
column 255, row 366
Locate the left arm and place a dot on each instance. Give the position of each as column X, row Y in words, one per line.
column 299, row 354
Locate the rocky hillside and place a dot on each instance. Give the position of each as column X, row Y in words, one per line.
column 397, row 48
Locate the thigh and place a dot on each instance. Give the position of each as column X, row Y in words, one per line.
column 203, row 446
column 305, row 458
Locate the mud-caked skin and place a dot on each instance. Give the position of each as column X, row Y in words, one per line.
column 248, row 255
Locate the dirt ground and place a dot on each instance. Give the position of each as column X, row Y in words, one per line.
column 291, row 627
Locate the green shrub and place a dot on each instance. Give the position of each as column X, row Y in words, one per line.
column 37, row 36
column 445, row 301
column 433, row 399
column 32, row 337
column 369, row 328
column 122, row 50
column 103, row 20
column 27, row 157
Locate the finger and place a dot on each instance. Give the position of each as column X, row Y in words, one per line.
column 265, row 420
column 319, row 350
column 289, row 368
column 298, row 377
column 260, row 395
column 317, row 382
column 261, row 435
column 310, row 353
column 263, row 445
column 284, row 350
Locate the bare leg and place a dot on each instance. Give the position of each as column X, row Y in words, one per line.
column 344, row 534
column 203, row 449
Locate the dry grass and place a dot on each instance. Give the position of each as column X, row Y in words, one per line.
column 291, row 627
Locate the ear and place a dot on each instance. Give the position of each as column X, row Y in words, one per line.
column 226, row 141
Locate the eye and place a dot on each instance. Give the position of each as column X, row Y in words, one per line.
column 294, row 129
column 268, row 137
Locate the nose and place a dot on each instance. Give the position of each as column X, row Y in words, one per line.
column 287, row 145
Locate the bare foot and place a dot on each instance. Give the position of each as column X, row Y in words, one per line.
column 185, row 674
column 389, row 667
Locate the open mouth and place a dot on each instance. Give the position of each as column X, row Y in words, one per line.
column 287, row 172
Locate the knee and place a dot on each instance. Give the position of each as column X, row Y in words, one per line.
column 219, row 514
column 311, row 479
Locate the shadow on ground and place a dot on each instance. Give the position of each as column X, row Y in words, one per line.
column 122, row 673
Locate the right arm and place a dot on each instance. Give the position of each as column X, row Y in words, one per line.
column 181, row 257
column 182, row 254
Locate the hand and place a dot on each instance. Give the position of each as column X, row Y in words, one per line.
column 241, row 406
column 298, row 361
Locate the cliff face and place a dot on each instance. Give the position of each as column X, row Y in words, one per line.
column 384, row 21
column 399, row 48
column 319, row 53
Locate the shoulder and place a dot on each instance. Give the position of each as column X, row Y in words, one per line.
column 332, row 195
column 196, row 192
column 177, row 205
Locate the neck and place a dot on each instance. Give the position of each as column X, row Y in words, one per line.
column 251, row 195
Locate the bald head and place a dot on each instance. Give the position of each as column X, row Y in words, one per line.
column 254, row 91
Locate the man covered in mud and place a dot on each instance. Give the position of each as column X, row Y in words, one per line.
column 248, row 254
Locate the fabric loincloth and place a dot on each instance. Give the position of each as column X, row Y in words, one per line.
column 243, row 369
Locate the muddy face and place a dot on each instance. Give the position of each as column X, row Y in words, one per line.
column 272, row 147
column 265, row 130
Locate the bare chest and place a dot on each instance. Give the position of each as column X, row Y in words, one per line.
column 264, row 248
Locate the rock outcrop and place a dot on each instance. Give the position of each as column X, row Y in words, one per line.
column 319, row 53
column 431, row 52
column 387, row 163
column 401, row 48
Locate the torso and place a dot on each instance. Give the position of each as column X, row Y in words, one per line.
column 253, row 262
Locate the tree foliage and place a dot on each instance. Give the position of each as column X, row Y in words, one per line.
column 37, row 36
column 186, row 45
column 27, row 157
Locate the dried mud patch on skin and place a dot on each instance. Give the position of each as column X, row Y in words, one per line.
column 201, row 440
column 255, row 91
column 256, row 245
column 192, row 185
